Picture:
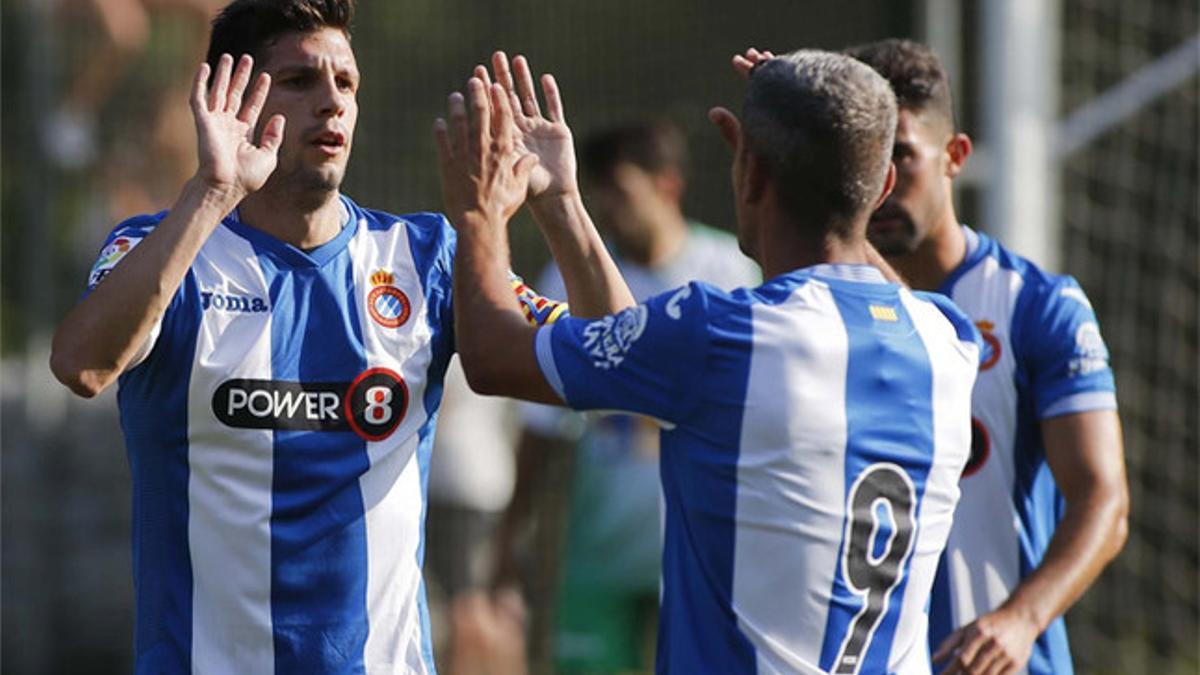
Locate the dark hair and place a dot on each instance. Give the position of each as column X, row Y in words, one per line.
column 651, row 146
column 915, row 73
column 824, row 123
column 248, row 26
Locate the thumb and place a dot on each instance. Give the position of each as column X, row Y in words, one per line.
column 524, row 167
column 272, row 134
column 728, row 124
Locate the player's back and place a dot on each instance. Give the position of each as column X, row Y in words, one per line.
column 816, row 427
column 812, row 546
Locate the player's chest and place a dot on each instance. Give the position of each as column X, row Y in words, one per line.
column 317, row 349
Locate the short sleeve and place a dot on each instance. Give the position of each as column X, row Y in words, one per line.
column 1058, row 341
column 647, row 359
column 123, row 239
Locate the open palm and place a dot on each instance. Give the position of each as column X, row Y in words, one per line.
column 546, row 137
column 225, row 125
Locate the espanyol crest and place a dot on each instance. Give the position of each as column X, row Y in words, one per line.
column 387, row 305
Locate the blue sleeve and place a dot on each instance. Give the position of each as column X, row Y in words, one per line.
column 647, row 359
column 1057, row 340
column 123, row 238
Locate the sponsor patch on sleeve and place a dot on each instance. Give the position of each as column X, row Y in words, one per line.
column 113, row 253
column 608, row 340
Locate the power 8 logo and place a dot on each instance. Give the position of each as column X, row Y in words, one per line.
column 375, row 403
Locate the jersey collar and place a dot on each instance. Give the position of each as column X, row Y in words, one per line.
column 295, row 257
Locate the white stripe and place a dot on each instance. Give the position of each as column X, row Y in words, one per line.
column 229, row 488
column 953, row 364
column 983, row 551
column 543, row 347
column 1087, row 401
column 791, row 478
column 391, row 489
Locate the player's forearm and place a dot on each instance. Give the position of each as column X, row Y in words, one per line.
column 494, row 341
column 1090, row 535
column 594, row 285
column 101, row 335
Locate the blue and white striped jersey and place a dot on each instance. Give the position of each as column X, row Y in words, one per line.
column 815, row 431
column 1043, row 357
column 278, row 427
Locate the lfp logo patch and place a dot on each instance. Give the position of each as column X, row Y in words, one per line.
column 111, row 255
column 386, row 304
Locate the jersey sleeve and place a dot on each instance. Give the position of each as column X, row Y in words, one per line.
column 123, row 239
column 647, row 359
column 1065, row 359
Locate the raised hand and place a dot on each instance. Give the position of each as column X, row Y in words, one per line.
column 225, row 124
column 548, row 138
column 743, row 64
column 485, row 176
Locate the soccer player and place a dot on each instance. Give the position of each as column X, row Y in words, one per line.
column 814, row 427
column 280, row 351
column 1044, row 496
column 607, row 602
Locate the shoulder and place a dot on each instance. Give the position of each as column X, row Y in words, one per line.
column 119, row 242
column 964, row 328
column 422, row 224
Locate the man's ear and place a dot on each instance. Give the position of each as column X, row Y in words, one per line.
column 889, row 182
column 958, row 149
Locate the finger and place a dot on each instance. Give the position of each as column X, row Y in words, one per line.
column 502, row 118
column 946, row 648
column 742, row 65
column 553, row 98
column 523, row 168
column 441, row 137
column 199, row 89
column 769, row 54
column 482, row 73
column 505, row 78
column 241, row 77
column 478, row 117
column 258, row 96
column 728, row 124
column 220, row 85
column 970, row 651
column 529, row 102
column 989, row 658
column 458, row 124
column 272, row 134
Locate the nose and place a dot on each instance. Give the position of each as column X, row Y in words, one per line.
column 330, row 99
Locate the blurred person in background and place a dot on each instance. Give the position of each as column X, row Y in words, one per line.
column 607, row 601
column 1045, row 499
column 471, row 480
column 280, row 353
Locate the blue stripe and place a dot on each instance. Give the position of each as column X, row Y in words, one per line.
column 698, row 630
column 889, row 418
column 318, row 534
column 153, row 399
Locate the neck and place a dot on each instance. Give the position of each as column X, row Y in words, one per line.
column 936, row 257
column 304, row 221
column 786, row 246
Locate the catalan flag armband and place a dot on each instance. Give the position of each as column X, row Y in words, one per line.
column 539, row 311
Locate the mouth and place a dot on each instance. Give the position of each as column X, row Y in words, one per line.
column 887, row 220
column 329, row 143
